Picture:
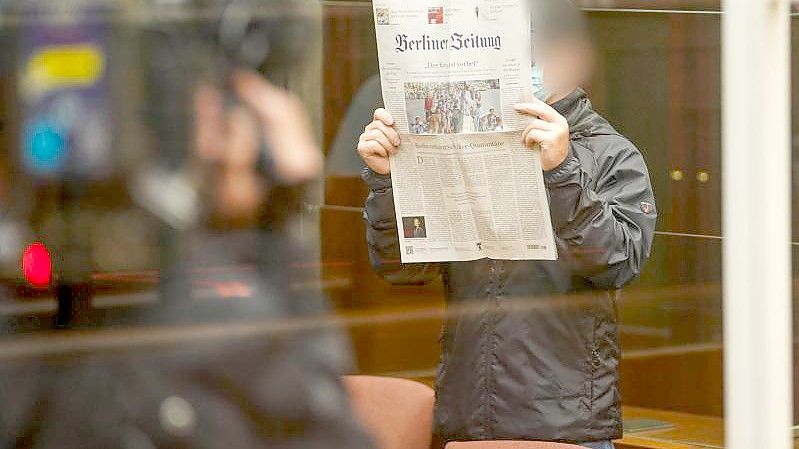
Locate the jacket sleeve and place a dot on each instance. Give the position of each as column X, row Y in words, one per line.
column 603, row 212
column 382, row 237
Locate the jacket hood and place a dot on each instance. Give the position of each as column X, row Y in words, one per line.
column 583, row 120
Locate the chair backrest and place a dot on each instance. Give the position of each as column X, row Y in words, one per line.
column 510, row 444
column 397, row 412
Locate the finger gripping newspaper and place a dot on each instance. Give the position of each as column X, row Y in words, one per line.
column 465, row 186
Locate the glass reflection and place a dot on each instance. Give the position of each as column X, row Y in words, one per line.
column 157, row 160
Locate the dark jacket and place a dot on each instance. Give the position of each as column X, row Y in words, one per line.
column 531, row 350
column 277, row 390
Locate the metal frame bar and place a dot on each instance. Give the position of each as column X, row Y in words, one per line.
column 757, row 224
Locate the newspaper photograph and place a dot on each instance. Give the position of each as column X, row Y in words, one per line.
column 465, row 187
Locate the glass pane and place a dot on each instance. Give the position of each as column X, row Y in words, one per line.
column 657, row 81
column 185, row 249
column 159, row 279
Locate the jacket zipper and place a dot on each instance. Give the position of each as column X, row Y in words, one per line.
column 495, row 289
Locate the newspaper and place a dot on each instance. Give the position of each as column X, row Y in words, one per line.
column 465, row 187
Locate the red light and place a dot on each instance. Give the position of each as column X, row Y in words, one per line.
column 37, row 266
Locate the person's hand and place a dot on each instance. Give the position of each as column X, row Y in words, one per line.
column 378, row 142
column 549, row 130
column 285, row 126
column 230, row 138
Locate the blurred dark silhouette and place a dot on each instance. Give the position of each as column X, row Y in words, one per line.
column 224, row 201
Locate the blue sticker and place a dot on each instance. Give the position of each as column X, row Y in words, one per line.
column 45, row 147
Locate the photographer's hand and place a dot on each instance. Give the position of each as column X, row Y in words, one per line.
column 285, row 126
column 230, row 138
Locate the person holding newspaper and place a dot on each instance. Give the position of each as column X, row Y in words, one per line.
column 531, row 351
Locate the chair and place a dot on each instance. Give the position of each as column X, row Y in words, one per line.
column 509, row 445
column 397, row 412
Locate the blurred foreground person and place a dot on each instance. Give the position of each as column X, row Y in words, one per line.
column 253, row 366
column 531, row 351
column 271, row 389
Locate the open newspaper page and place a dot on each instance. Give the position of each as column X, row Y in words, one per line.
column 465, row 187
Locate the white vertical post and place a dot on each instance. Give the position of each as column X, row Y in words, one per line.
column 757, row 212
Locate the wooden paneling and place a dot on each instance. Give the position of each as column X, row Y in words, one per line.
column 349, row 58
column 687, row 379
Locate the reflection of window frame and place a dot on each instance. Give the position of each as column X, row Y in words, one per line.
column 677, row 5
